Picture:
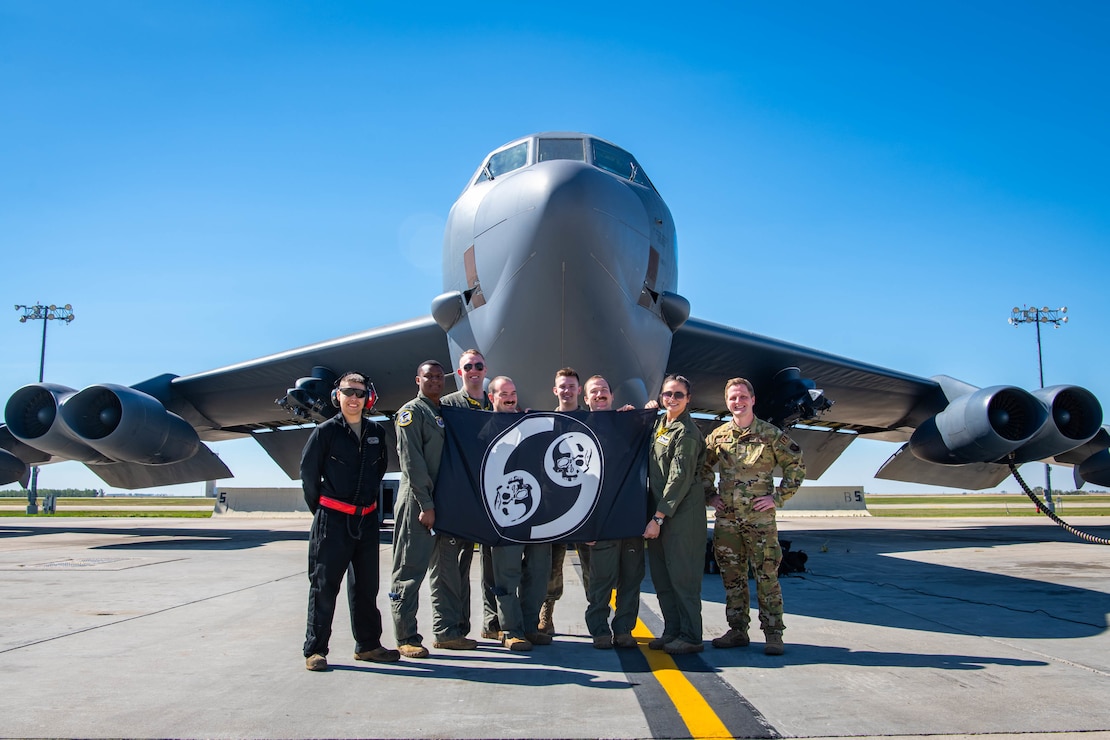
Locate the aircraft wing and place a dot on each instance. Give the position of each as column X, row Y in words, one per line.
column 152, row 433
column 960, row 434
column 866, row 398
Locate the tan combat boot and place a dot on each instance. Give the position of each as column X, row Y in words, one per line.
column 774, row 644
column 547, row 618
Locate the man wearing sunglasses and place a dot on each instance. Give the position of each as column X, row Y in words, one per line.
column 341, row 472
column 746, row 450
column 472, row 372
column 472, row 395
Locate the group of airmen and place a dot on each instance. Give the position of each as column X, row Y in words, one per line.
column 345, row 459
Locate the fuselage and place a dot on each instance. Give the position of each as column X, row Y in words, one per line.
column 560, row 252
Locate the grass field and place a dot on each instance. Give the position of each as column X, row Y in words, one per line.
column 885, row 505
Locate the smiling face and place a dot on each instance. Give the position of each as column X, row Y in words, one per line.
column 352, row 398
column 472, row 370
column 502, row 394
column 566, row 390
column 740, row 401
column 598, row 395
column 674, row 398
column 429, row 380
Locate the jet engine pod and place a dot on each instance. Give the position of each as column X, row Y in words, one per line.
column 12, row 469
column 128, row 425
column 979, row 427
column 1074, row 418
column 32, row 417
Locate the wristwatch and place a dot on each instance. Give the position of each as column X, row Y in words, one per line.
column 658, row 520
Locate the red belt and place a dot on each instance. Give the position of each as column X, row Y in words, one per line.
column 330, row 503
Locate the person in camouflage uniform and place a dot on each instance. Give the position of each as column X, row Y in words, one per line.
column 745, row 452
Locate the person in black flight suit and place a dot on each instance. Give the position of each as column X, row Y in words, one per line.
column 341, row 472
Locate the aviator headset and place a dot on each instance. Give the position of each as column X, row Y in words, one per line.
column 371, row 393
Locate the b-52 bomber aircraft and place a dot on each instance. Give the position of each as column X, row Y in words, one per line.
column 560, row 251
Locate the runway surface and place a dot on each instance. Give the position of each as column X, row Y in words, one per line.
column 901, row 627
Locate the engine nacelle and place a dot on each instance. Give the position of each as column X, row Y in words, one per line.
column 12, row 469
column 32, row 417
column 979, row 427
column 1074, row 418
column 129, row 425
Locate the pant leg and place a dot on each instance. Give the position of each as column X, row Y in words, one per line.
column 683, row 538
column 508, row 570
column 584, row 553
column 533, row 584
column 766, row 557
column 555, row 581
column 604, row 575
column 732, row 553
column 362, row 584
column 489, row 601
column 328, row 556
column 449, row 577
column 664, row 590
column 413, row 545
column 630, row 575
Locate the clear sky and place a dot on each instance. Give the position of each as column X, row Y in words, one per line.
column 881, row 180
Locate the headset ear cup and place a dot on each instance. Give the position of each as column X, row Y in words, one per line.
column 335, row 398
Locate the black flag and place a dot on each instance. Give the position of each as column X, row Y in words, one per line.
column 543, row 476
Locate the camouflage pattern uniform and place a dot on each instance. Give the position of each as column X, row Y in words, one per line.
column 676, row 467
column 416, row 551
column 746, row 460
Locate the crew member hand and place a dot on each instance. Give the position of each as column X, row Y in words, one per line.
column 764, row 503
column 427, row 518
column 651, row 531
column 717, row 503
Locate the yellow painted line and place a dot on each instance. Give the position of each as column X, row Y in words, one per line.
column 700, row 719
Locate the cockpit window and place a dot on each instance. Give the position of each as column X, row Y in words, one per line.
column 560, row 149
column 619, row 162
column 504, row 161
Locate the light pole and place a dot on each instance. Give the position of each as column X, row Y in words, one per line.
column 1038, row 316
column 45, row 314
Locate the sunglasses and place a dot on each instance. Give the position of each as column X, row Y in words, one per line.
column 356, row 392
column 479, row 366
column 677, row 395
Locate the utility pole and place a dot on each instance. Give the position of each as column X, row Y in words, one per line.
column 1038, row 316
column 44, row 314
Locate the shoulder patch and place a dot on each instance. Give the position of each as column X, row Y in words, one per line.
column 784, row 440
column 439, row 421
column 404, row 418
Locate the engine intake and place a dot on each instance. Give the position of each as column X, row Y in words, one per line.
column 32, row 417
column 130, row 426
column 1074, row 418
column 983, row 426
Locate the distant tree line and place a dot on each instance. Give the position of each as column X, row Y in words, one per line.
column 57, row 493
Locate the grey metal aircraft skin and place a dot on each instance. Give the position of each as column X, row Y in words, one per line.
column 559, row 252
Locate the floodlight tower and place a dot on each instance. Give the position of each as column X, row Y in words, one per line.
column 1038, row 316
column 44, row 314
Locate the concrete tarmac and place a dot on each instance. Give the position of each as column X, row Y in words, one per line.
column 901, row 627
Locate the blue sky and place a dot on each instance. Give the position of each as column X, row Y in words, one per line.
column 879, row 180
